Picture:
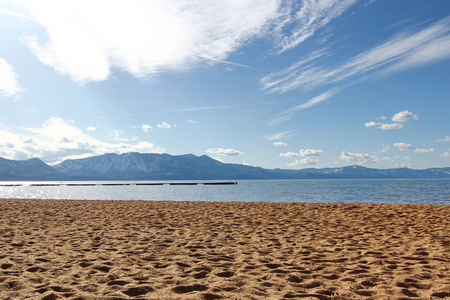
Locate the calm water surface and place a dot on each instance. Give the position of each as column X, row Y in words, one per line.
column 432, row 191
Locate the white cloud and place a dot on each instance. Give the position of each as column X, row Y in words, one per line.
column 289, row 154
column 404, row 51
column 446, row 139
column 146, row 128
column 302, row 152
column 224, row 152
column 192, row 121
column 165, row 125
column 119, row 135
column 289, row 113
column 404, row 165
column 403, row 146
column 57, row 139
column 89, row 38
column 278, row 136
column 386, row 148
column 91, row 128
column 383, row 126
column 423, row 151
column 371, row 124
column 445, row 154
column 314, row 14
column 7, row 12
column 403, row 116
column 280, row 144
column 304, row 162
column 9, row 85
column 361, row 158
column 310, row 152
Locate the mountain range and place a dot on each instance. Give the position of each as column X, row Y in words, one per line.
column 150, row 166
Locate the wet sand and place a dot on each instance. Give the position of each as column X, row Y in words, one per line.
column 66, row 249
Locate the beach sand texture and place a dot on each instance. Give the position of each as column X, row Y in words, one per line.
column 67, row 249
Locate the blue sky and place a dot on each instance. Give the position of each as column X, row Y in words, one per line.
column 275, row 84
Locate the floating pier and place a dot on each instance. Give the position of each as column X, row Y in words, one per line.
column 122, row 184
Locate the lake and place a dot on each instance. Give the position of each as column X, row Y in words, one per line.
column 408, row 191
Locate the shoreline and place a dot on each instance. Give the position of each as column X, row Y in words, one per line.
column 140, row 249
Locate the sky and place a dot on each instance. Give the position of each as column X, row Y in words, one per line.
column 273, row 84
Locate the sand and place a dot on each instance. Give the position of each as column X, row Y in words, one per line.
column 67, row 249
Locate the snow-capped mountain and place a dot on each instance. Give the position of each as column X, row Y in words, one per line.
column 31, row 169
column 150, row 166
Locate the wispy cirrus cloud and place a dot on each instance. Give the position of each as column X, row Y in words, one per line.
column 280, row 144
column 288, row 114
column 153, row 36
column 9, row 84
column 7, row 12
column 446, row 139
column 312, row 15
column 404, row 51
column 280, row 135
column 161, row 35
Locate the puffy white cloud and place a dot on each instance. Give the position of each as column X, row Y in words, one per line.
column 371, row 124
column 146, row 128
column 310, row 152
column 403, row 116
column 304, row 162
column 361, row 158
column 403, row 146
column 57, row 139
column 224, row 152
column 423, row 151
column 289, row 154
column 9, row 85
column 386, row 148
column 91, row 128
column 446, row 139
column 165, row 125
column 280, row 144
column 404, row 165
column 445, row 154
column 383, row 126
column 302, row 152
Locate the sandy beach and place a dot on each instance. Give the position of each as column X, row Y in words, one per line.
column 67, row 249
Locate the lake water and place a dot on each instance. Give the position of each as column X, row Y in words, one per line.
column 431, row 191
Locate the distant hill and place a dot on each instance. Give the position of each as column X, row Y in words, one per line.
column 150, row 166
column 32, row 169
